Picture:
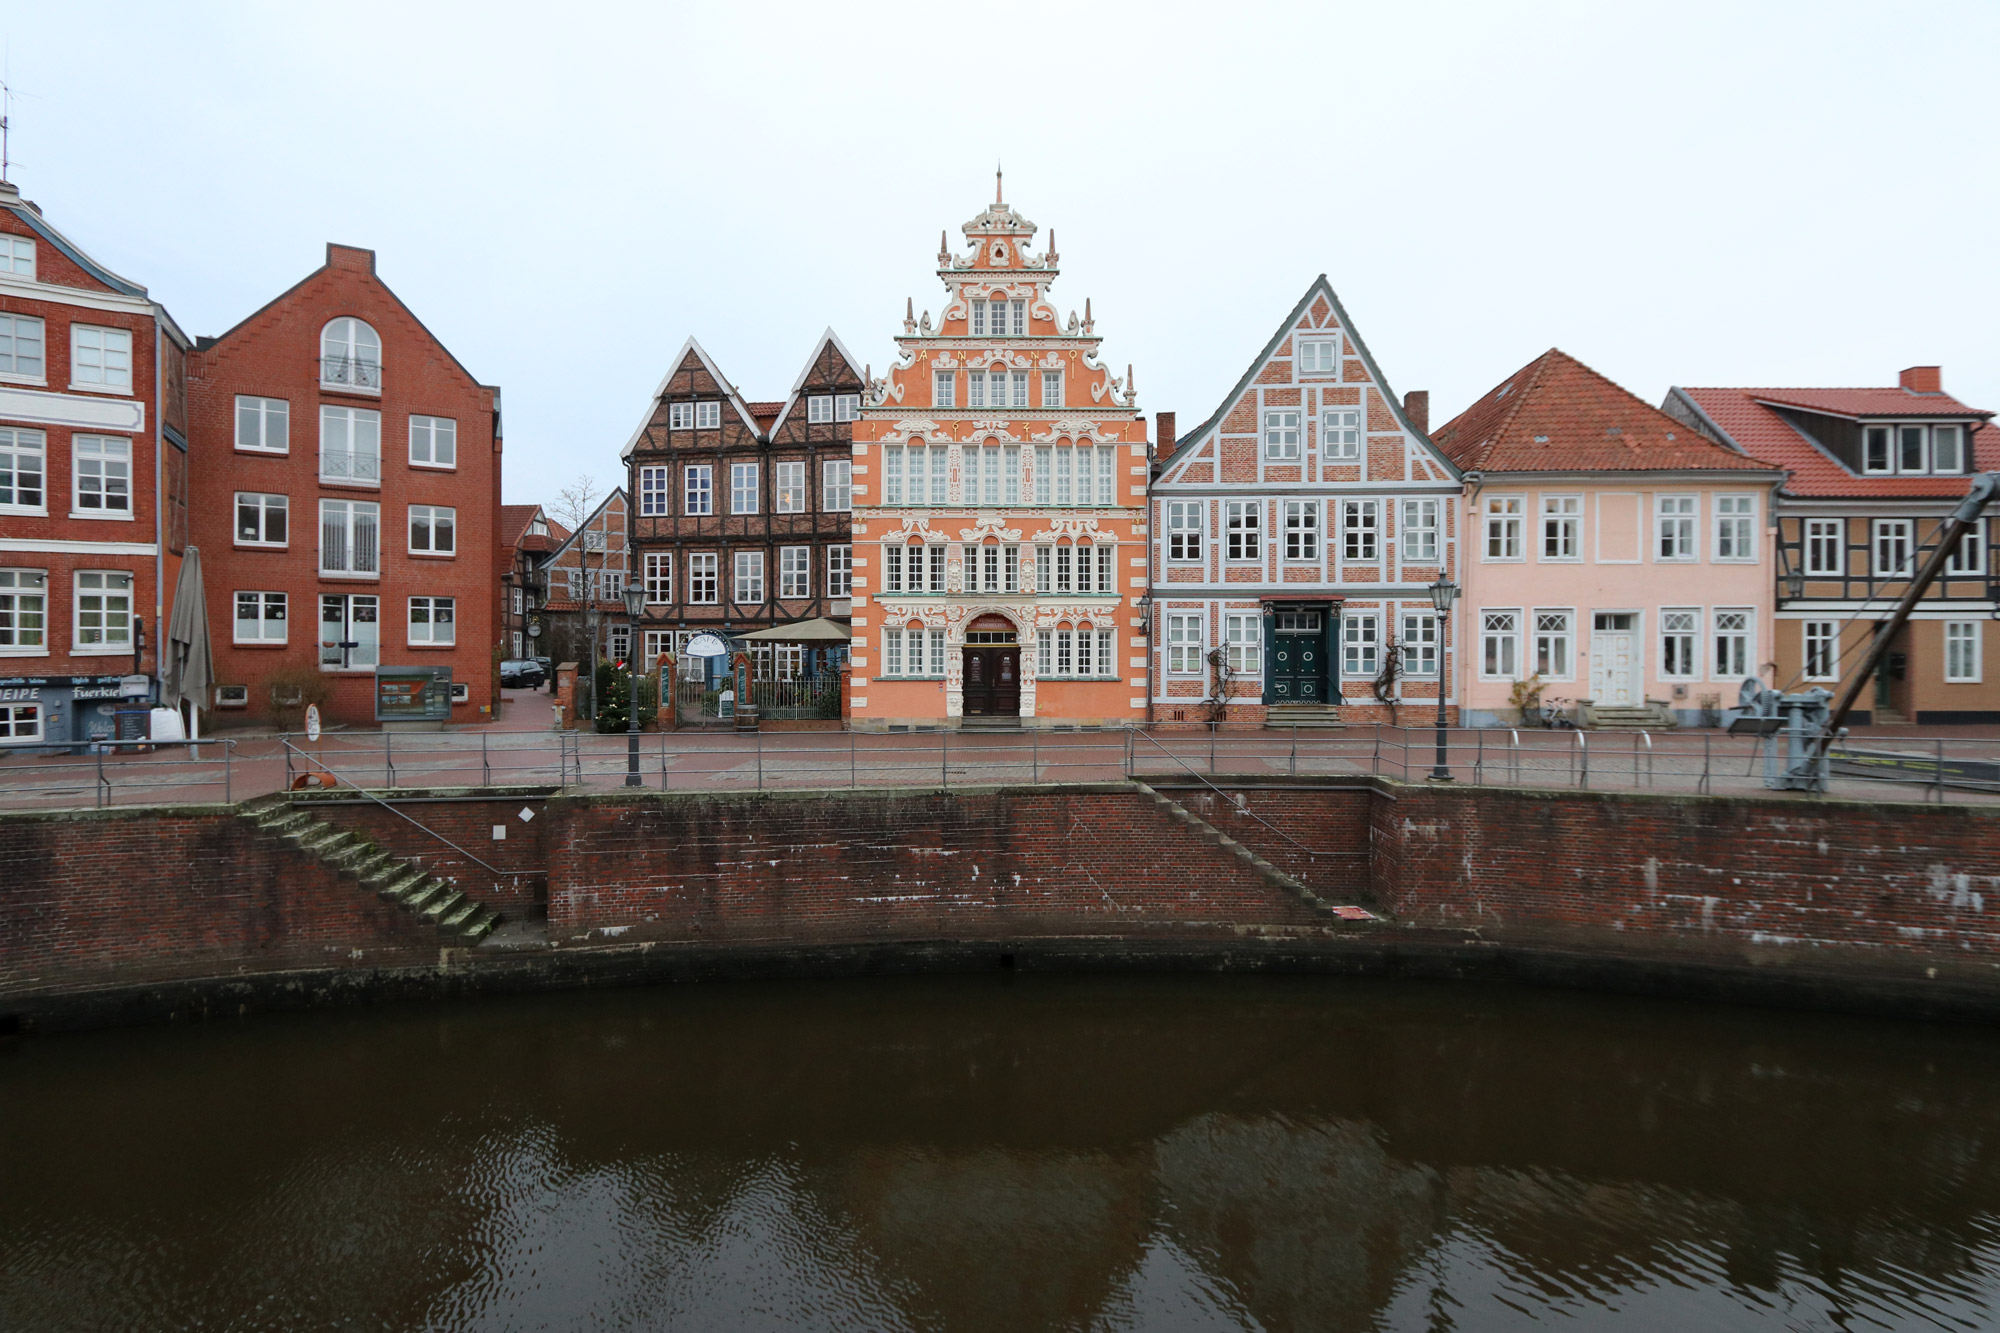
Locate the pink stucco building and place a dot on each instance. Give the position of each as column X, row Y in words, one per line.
column 1615, row 557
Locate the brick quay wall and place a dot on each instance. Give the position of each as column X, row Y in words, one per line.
column 129, row 915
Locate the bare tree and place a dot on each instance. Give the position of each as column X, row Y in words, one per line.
column 574, row 505
column 1387, row 686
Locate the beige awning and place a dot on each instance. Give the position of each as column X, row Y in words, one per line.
column 820, row 630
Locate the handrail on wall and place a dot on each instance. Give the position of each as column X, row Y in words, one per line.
column 1310, row 853
column 398, row 813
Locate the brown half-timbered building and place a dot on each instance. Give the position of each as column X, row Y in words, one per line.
column 740, row 509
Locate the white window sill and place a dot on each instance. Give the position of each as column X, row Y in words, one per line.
column 120, row 650
column 344, row 574
column 24, row 652
column 100, row 516
column 269, row 453
column 1502, row 560
column 432, row 555
column 242, row 545
column 351, row 483
column 330, row 670
column 1741, row 560
column 114, row 390
column 258, row 643
column 1675, row 560
column 416, row 647
column 434, row 467
column 24, row 381
column 1558, row 559
column 359, row 390
column 19, row 511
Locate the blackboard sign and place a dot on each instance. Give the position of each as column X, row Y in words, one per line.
column 413, row 694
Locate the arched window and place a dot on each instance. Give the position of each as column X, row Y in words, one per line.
column 350, row 355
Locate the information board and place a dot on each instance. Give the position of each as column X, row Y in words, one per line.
column 412, row 694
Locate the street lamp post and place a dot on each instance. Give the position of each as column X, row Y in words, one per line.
column 1443, row 593
column 635, row 606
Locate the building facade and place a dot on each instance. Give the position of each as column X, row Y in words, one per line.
column 527, row 536
column 1618, row 561
column 585, row 577
column 1872, row 475
column 741, row 509
column 999, row 524
column 349, row 469
column 93, row 484
column 1295, row 534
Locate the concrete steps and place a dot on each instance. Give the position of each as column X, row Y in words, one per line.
column 1306, row 717
column 430, row 899
column 1649, row 716
column 1207, row 832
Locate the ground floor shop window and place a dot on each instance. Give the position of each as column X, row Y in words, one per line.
column 20, row 723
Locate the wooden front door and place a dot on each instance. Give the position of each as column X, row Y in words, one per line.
column 1614, row 659
column 993, row 682
column 1297, row 673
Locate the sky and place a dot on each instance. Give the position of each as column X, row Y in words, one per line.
column 1746, row 193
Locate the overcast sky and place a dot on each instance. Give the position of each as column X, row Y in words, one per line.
column 1675, row 193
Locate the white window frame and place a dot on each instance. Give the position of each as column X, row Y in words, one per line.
column 113, row 457
column 1360, row 645
column 1302, row 532
column 1052, row 378
column 1887, row 439
column 1957, row 435
column 1681, row 655
column 745, row 479
column 746, row 582
column 1968, row 560
column 1319, row 356
column 1902, row 528
column 100, row 359
column 790, row 481
column 846, row 407
column 819, row 409
column 836, row 485
column 17, row 444
column 17, row 257
column 1500, row 643
column 1562, row 527
column 350, row 355
column 1963, row 664
column 708, row 415
column 261, row 502
column 12, row 328
column 1554, row 646
column 840, row 570
column 358, row 460
column 657, row 569
column 1501, row 543
column 1282, row 433
column 438, row 438
column 1340, row 434
column 1422, row 645
column 1738, row 641
column 431, row 638
column 20, row 724
column 704, row 576
column 431, row 516
column 1819, row 638
column 1243, row 643
column 272, row 416
column 1736, row 517
column 1923, row 441
column 1244, row 529
column 944, row 388
column 351, row 514
column 1361, row 532
column 1186, row 651
column 116, row 625
column 1824, row 530
column 680, row 416
column 1420, row 531
column 18, row 587
column 698, row 490
column 655, row 487
column 1186, row 520
column 794, row 572
column 1676, row 529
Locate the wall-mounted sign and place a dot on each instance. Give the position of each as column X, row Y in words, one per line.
column 707, row 645
column 413, row 694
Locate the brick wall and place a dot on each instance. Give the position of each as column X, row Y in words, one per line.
column 463, row 826
column 1321, row 836
column 146, row 895
column 888, row 865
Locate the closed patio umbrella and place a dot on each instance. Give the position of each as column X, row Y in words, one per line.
column 189, row 669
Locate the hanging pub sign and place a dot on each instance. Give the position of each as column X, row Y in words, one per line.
column 412, row 694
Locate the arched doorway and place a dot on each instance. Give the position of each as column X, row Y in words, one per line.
column 992, row 678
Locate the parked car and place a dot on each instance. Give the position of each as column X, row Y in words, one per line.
column 522, row 673
column 548, row 666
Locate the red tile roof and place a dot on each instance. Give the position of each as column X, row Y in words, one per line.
column 1871, row 402
column 513, row 519
column 1758, row 430
column 1556, row 414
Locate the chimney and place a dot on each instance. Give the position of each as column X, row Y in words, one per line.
column 1417, row 407
column 1163, row 433
column 1923, row 379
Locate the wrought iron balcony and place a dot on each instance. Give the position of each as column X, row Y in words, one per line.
column 347, row 465
column 351, row 372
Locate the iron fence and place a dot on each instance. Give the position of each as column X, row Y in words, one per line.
column 136, row 772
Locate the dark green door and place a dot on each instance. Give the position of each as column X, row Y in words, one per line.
column 1297, row 673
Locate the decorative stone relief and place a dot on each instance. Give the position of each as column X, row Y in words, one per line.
column 1066, row 527
column 988, row 525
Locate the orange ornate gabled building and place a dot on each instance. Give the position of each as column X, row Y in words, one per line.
column 999, row 509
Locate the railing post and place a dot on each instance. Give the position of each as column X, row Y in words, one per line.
column 389, row 756
column 228, row 797
column 944, row 755
column 1583, row 750
column 1479, row 759
column 1034, row 754
column 1211, row 744
column 285, row 740
column 1939, row 770
column 485, row 767
column 1292, row 764
column 666, row 778
column 103, row 787
column 853, row 780
column 1707, row 738
column 1514, row 755
column 759, row 733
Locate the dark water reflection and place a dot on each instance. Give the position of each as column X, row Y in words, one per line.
column 1006, row 1153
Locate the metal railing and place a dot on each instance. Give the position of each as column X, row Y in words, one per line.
column 1705, row 762
column 350, row 372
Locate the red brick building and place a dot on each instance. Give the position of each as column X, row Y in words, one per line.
column 93, row 483
column 349, row 469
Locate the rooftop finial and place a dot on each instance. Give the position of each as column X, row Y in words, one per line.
column 997, row 198
column 943, row 248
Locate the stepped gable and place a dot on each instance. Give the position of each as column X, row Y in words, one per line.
column 1556, row 414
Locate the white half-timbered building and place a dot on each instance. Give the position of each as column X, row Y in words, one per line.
column 1294, row 537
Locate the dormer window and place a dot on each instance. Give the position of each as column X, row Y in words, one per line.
column 350, row 355
column 1913, row 450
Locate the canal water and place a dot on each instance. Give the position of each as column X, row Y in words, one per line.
column 1006, row 1152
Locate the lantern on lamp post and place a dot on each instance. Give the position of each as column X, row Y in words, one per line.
column 635, row 606
column 1443, row 593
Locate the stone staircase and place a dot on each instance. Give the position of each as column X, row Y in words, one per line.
column 1650, row 716
column 1885, row 716
column 987, row 722
column 1207, row 832
column 394, row 880
column 1306, row 717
